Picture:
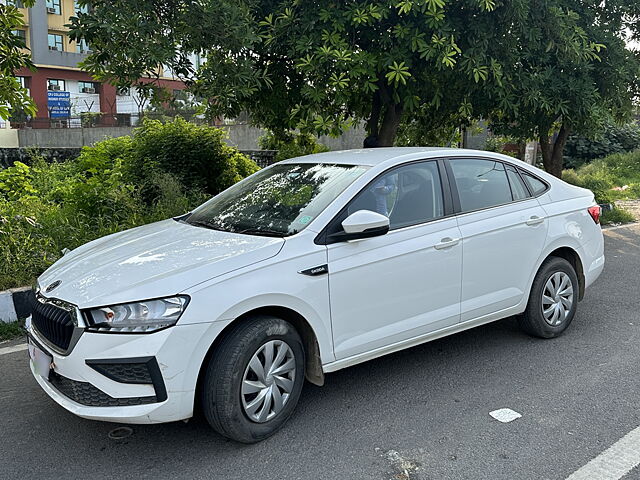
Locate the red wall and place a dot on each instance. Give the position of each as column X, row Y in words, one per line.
column 37, row 83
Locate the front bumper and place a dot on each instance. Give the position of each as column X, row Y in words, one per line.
column 89, row 392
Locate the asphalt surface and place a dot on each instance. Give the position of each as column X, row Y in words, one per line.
column 418, row 414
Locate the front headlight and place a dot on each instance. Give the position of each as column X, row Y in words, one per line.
column 137, row 317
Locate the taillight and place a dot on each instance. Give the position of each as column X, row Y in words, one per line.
column 595, row 213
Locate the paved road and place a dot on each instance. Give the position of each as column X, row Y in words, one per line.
column 418, row 414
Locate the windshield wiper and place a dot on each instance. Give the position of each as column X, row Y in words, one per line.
column 202, row 223
column 261, row 231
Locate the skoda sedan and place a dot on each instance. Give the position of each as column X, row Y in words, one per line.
column 308, row 266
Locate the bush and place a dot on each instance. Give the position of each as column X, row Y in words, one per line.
column 112, row 186
column 616, row 215
column 615, row 139
column 603, row 175
column 291, row 144
column 197, row 155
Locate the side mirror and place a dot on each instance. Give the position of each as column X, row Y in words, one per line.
column 363, row 224
column 365, row 220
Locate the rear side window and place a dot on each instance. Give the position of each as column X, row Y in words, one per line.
column 536, row 186
column 480, row 183
column 518, row 188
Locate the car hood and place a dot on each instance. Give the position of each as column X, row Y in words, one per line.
column 155, row 260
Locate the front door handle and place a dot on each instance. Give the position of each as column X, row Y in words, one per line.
column 535, row 220
column 447, row 242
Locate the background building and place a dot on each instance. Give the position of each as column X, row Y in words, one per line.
column 61, row 90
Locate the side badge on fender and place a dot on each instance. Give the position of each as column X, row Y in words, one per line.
column 315, row 271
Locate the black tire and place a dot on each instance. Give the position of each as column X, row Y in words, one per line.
column 222, row 401
column 533, row 321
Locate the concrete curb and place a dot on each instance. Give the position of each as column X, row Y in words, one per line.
column 14, row 304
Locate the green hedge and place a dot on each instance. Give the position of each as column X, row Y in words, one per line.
column 615, row 139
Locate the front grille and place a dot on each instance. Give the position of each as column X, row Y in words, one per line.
column 86, row 394
column 53, row 322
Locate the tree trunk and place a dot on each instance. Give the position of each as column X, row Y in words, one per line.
column 374, row 119
column 553, row 152
column 389, row 126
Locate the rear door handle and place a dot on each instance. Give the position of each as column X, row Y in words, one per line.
column 535, row 220
column 447, row 242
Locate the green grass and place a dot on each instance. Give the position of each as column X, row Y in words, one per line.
column 603, row 175
column 617, row 215
column 10, row 330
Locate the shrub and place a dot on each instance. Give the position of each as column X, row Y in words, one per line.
column 616, row 215
column 110, row 187
column 615, row 139
column 291, row 144
column 197, row 155
column 604, row 174
column 16, row 181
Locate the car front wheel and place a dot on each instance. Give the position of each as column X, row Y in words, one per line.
column 254, row 379
column 553, row 300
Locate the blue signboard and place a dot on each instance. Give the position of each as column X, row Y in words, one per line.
column 59, row 104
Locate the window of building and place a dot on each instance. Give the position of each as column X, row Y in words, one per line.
column 23, row 82
column 82, row 47
column 56, row 42
column 80, row 8
column 480, row 183
column 55, row 84
column 53, row 6
column 87, row 87
column 408, row 195
column 20, row 33
column 14, row 3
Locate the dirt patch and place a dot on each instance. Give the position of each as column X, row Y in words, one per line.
column 631, row 206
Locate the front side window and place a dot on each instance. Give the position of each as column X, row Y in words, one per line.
column 55, row 42
column 53, row 6
column 278, row 201
column 480, row 183
column 408, row 195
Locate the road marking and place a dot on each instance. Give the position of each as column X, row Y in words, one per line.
column 15, row 348
column 615, row 462
column 505, row 415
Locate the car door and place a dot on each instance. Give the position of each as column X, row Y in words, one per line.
column 405, row 283
column 503, row 233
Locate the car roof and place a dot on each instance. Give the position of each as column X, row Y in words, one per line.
column 374, row 156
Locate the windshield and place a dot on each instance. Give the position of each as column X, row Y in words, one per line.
column 278, row 201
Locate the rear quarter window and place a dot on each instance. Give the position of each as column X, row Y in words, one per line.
column 537, row 186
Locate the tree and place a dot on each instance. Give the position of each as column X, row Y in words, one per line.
column 13, row 97
column 566, row 70
column 316, row 66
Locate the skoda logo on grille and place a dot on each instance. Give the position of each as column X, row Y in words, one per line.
column 53, row 286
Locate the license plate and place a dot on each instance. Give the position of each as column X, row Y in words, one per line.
column 41, row 361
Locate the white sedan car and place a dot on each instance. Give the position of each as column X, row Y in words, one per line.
column 309, row 266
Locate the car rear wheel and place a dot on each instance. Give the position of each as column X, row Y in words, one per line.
column 254, row 379
column 553, row 300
